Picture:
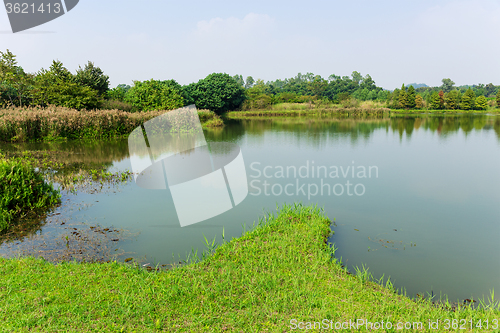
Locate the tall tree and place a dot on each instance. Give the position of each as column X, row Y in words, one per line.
column 468, row 100
column 447, row 85
column 249, row 82
column 450, row 99
column 419, row 101
column 411, row 97
column 441, row 99
column 356, row 77
column 239, row 80
column 403, row 97
column 434, row 101
column 15, row 84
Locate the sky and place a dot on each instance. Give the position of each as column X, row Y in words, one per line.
column 394, row 41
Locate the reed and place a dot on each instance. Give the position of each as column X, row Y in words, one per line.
column 54, row 123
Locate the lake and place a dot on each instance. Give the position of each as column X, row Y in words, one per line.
column 414, row 197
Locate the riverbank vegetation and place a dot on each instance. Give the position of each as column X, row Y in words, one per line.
column 270, row 279
column 24, row 192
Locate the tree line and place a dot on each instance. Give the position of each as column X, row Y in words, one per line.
column 88, row 88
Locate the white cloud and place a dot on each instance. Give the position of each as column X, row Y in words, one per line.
column 252, row 25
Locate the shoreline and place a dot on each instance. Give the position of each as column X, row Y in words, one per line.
column 282, row 270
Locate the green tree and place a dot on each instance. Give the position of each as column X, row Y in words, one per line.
column 57, row 86
column 447, row 85
column 239, row 79
column 317, row 86
column 419, row 102
column 403, row 98
column 451, row 100
column 434, row 101
column 481, row 103
column 411, row 97
column 395, row 99
column 249, row 82
column 498, row 98
column 15, row 85
column 217, row 92
column 118, row 93
column 356, row 77
column 468, row 99
column 92, row 77
column 156, row 95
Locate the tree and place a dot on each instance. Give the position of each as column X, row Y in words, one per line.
column 434, row 101
column 156, row 95
column 403, row 97
column 447, row 85
column 249, row 82
column 468, row 99
column 57, row 86
column 451, row 100
column 394, row 99
column 92, row 77
column 317, row 86
column 411, row 97
column 118, row 93
column 481, row 103
column 239, row 80
column 356, row 77
column 419, row 101
column 498, row 98
column 15, row 84
column 217, row 92
column 441, row 99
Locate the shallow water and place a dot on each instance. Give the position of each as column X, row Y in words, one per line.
column 422, row 206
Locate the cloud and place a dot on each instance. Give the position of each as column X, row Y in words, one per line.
column 234, row 29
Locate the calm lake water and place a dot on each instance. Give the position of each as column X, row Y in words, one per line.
column 414, row 197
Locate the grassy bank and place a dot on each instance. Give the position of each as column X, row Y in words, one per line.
column 19, row 124
column 280, row 272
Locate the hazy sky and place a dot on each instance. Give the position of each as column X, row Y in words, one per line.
column 394, row 41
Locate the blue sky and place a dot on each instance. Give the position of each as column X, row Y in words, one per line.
column 394, row 41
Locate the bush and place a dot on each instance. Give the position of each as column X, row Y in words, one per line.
column 217, row 92
column 156, row 95
column 23, row 190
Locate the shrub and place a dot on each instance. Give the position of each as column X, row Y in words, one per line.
column 156, row 95
column 23, row 190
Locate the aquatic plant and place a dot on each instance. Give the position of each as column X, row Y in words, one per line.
column 23, row 190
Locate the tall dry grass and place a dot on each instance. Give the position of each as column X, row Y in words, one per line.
column 18, row 124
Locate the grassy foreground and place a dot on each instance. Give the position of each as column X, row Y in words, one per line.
column 280, row 271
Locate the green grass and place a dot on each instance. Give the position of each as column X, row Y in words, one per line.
column 281, row 271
